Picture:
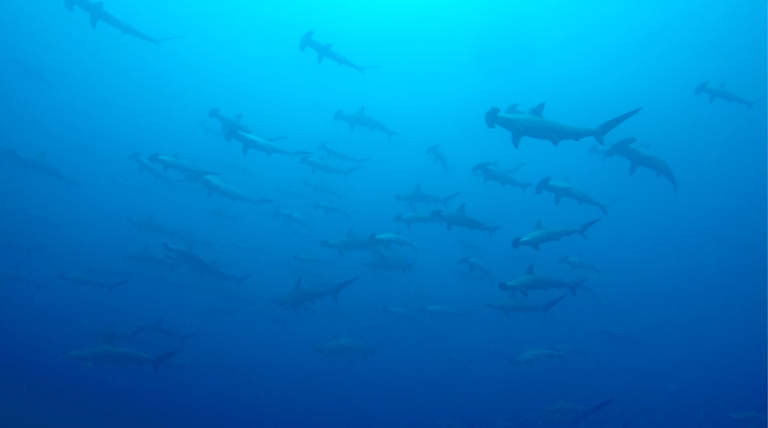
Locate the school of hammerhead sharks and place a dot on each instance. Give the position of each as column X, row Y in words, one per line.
column 385, row 247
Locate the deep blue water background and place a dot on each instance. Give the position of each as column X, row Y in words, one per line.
column 674, row 332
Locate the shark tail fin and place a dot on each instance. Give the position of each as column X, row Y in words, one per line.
column 516, row 243
column 583, row 229
column 162, row 359
column 341, row 287
column 590, row 411
column 552, row 303
column 491, row 115
column 338, row 115
column 70, row 4
column 608, row 126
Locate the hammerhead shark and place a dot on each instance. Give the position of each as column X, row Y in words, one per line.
column 490, row 171
column 532, row 124
column 540, row 235
column 460, row 219
column 721, row 93
column 562, row 190
column 360, row 118
column 325, row 50
column 638, row 158
column 98, row 14
column 10, row 159
column 302, row 297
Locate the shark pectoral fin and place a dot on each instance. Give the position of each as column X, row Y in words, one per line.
column 320, row 57
column 515, row 140
column 245, row 150
column 632, row 168
column 557, row 200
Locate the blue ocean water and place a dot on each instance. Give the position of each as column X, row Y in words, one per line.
column 154, row 275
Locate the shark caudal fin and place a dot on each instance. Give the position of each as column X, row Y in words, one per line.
column 341, row 287
column 552, row 303
column 306, row 40
column 491, row 115
column 70, row 4
column 516, row 243
column 608, row 126
column 162, row 359
column 701, row 87
column 583, row 229
column 580, row 418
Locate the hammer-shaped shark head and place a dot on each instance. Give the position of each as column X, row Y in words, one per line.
column 490, row 117
column 306, row 39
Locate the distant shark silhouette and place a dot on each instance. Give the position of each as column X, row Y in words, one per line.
column 98, row 14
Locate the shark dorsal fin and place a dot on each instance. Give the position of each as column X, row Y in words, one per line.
column 512, row 109
column 361, row 111
column 462, row 208
column 530, row 270
column 538, row 110
column 539, row 225
column 626, row 141
column 298, row 284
